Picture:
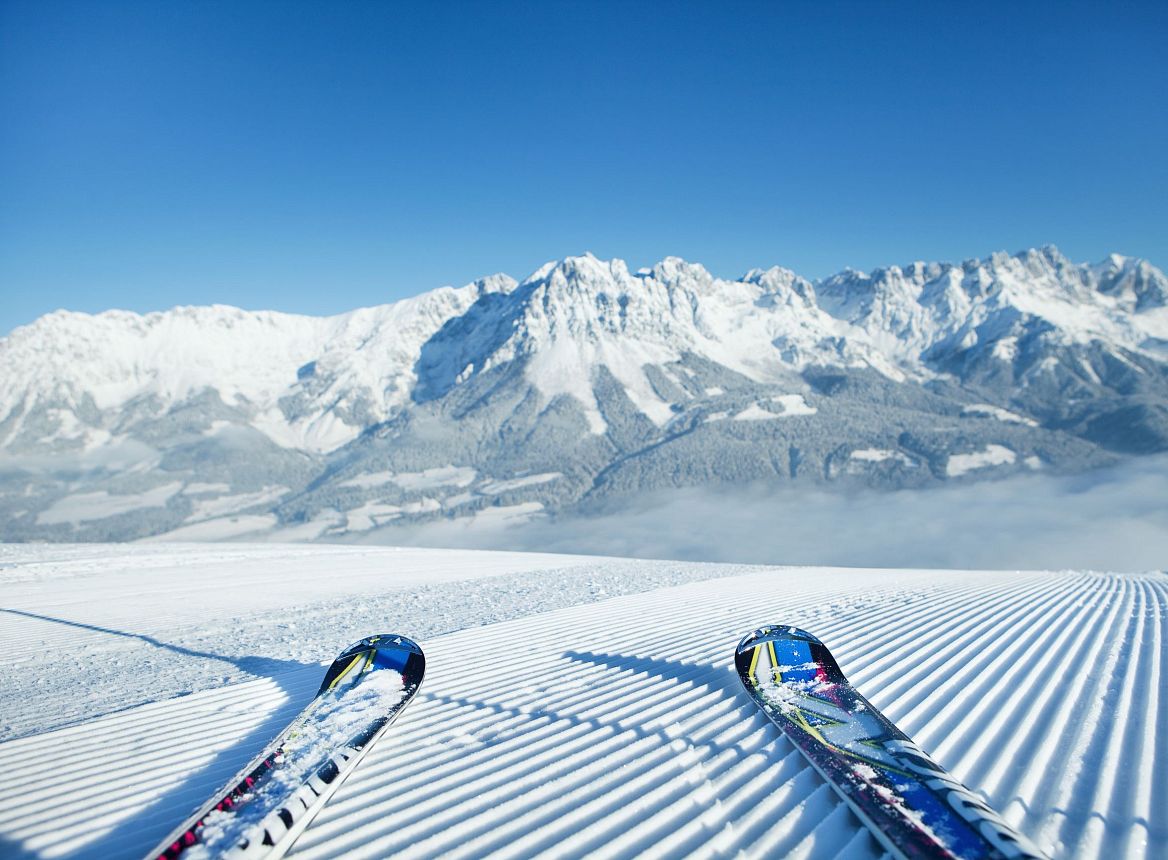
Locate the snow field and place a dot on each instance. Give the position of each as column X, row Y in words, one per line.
column 149, row 622
column 618, row 728
column 636, row 739
column 991, row 455
column 99, row 505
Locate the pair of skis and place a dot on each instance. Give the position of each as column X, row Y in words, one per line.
column 911, row 805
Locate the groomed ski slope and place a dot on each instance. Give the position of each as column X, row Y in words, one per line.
column 608, row 727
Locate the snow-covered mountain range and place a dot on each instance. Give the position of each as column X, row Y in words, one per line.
column 503, row 399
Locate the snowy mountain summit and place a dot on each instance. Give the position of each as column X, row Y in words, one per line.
column 503, row 399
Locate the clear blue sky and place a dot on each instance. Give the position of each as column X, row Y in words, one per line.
column 319, row 156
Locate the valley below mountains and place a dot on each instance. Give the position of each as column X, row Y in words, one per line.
column 503, row 401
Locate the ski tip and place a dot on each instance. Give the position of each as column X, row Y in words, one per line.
column 380, row 651
column 382, row 640
column 782, row 645
column 775, row 633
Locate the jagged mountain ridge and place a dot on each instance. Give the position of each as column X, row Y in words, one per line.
column 584, row 380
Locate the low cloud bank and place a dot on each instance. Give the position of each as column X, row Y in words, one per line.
column 1109, row 519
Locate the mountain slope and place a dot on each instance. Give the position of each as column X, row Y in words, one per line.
column 505, row 399
column 617, row 726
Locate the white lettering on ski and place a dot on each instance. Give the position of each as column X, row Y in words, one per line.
column 279, row 821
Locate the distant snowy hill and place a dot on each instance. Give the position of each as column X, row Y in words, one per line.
column 504, row 400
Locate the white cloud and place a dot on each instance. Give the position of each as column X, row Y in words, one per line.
column 1109, row 519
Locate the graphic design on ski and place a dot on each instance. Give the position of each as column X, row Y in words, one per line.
column 265, row 807
column 913, row 807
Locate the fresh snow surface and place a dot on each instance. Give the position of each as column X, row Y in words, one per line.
column 572, row 706
column 427, row 479
column 99, row 505
column 373, row 479
column 222, row 528
column 988, row 411
column 794, row 404
column 499, row 515
column 494, row 488
column 875, row 455
column 860, row 458
column 370, row 515
column 206, row 509
column 991, row 455
column 789, row 404
column 196, row 488
column 754, row 412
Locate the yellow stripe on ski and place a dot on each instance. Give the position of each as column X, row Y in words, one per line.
column 349, row 668
column 777, row 675
column 754, row 664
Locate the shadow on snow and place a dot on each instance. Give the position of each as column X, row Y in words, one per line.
column 135, row 835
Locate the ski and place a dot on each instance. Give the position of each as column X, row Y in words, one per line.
column 913, row 807
column 267, row 805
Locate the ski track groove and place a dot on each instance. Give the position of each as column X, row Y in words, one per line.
column 949, row 656
column 582, row 819
column 1074, row 701
column 617, row 729
column 1101, row 830
column 1139, row 741
column 741, row 781
column 979, row 682
column 1026, row 718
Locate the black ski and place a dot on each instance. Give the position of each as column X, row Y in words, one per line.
column 262, row 811
column 913, row 807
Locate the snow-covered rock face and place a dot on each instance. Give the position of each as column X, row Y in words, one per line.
column 306, row 383
column 616, row 380
column 576, row 316
column 929, row 313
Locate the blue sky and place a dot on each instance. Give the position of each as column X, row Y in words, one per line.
column 315, row 157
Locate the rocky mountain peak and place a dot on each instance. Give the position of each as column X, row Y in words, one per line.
column 581, row 381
